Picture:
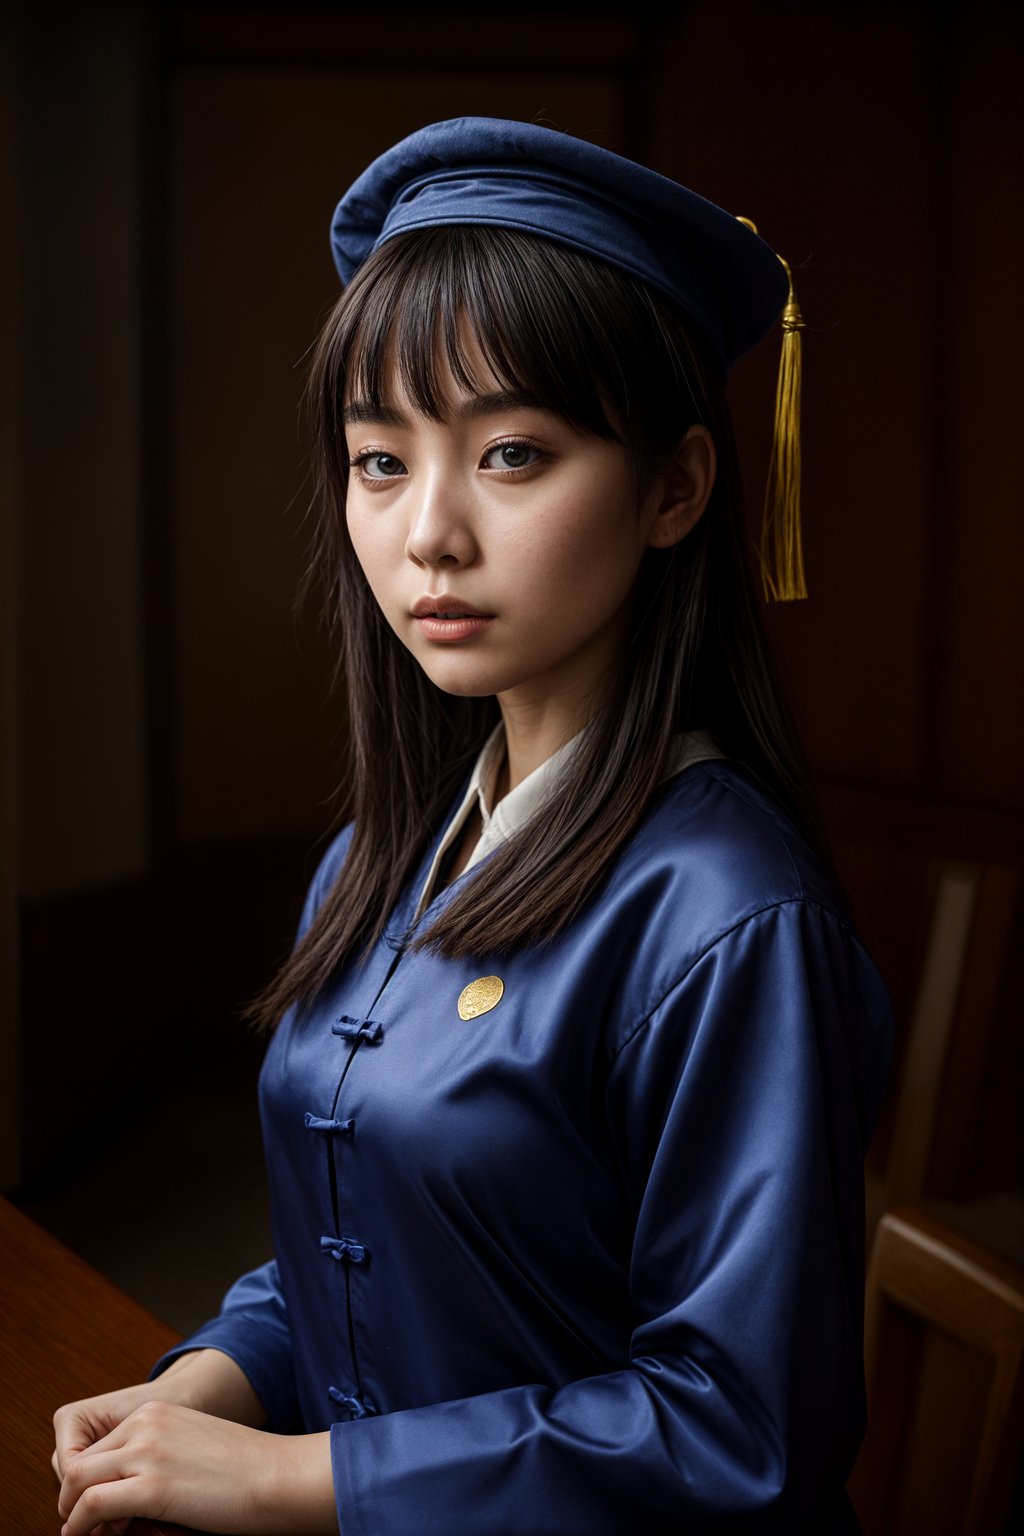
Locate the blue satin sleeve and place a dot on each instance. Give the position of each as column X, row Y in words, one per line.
column 738, row 1124
column 252, row 1328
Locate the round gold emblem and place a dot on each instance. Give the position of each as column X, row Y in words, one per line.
column 480, row 997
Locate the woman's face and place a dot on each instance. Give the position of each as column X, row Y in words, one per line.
column 506, row 511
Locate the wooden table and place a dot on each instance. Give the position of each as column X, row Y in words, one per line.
column 65, row 1333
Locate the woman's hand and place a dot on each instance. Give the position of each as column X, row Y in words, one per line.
column 205, row 1379
column 166, row 1462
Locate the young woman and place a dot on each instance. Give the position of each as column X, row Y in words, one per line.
column 577, row 1054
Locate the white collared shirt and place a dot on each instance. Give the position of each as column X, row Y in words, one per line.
column 514, row 810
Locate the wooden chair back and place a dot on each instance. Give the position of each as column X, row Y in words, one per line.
column 944, row 1352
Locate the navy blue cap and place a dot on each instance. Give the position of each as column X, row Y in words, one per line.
column 487, row 170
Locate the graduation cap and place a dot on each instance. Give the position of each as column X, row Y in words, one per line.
column 726, row 280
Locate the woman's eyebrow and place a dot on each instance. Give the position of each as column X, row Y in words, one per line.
column 370, row 413
column 366, row 413
column 500, row 400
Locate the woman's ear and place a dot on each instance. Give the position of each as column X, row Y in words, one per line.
column 679, row 499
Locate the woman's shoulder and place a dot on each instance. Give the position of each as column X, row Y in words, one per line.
column 720, row 901
column 715, row 860
column 714, row 823
column 325, row 874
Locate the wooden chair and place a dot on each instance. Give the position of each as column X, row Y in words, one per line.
column 945, row 1290
column 944, row 1349
column 936, row 1091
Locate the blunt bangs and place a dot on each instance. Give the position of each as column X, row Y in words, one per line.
column 553, row 325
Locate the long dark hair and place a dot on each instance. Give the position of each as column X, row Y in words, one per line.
column 613, row 358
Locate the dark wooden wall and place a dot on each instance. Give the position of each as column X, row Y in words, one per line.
column 170, row 745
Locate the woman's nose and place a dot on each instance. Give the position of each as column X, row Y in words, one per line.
column 440, row 528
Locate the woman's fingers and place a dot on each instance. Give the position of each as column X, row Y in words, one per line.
column 97, row 1490
column 71, row 1432
column 112, row 1461
column 86, row 1471
column 77, row 1426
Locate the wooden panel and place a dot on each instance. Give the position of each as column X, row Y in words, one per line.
column 83, row 788
column 259, row 161
column 889, row 890
column 813, row 125
column 126, row 987
column 438, row 39
column 10, row 1052
column 982, row 752
column 996, row 1156
column 974, row 1038
column 874, row 1485
column 941, row 1446
column 97, row 1013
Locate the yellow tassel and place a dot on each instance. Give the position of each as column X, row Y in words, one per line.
column 782, row 555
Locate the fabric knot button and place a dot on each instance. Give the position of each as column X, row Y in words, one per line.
column 358, row 1029
column 346, row 1248
column 358, row 1407
column 342, row 1127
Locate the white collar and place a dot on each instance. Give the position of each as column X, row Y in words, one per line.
column 516, row 808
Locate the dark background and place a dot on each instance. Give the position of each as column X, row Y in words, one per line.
column 169, row 741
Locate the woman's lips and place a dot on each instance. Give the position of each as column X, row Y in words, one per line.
column 447, row 630
column 448, row 619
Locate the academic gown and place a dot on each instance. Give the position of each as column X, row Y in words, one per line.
column 588, row 1262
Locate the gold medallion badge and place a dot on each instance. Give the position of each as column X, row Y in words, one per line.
column 480, row 997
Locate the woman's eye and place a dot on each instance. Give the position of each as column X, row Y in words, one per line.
column 510, row 456
column 378, row 466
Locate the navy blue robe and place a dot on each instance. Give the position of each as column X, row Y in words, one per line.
column 590, row 1262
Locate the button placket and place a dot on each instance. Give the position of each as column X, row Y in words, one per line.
column 345, row 1248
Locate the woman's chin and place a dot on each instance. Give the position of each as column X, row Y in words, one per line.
column 467, row 676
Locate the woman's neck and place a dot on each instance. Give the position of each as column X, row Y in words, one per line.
column 535, row 727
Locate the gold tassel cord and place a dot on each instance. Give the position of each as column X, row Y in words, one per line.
column 782, row 555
